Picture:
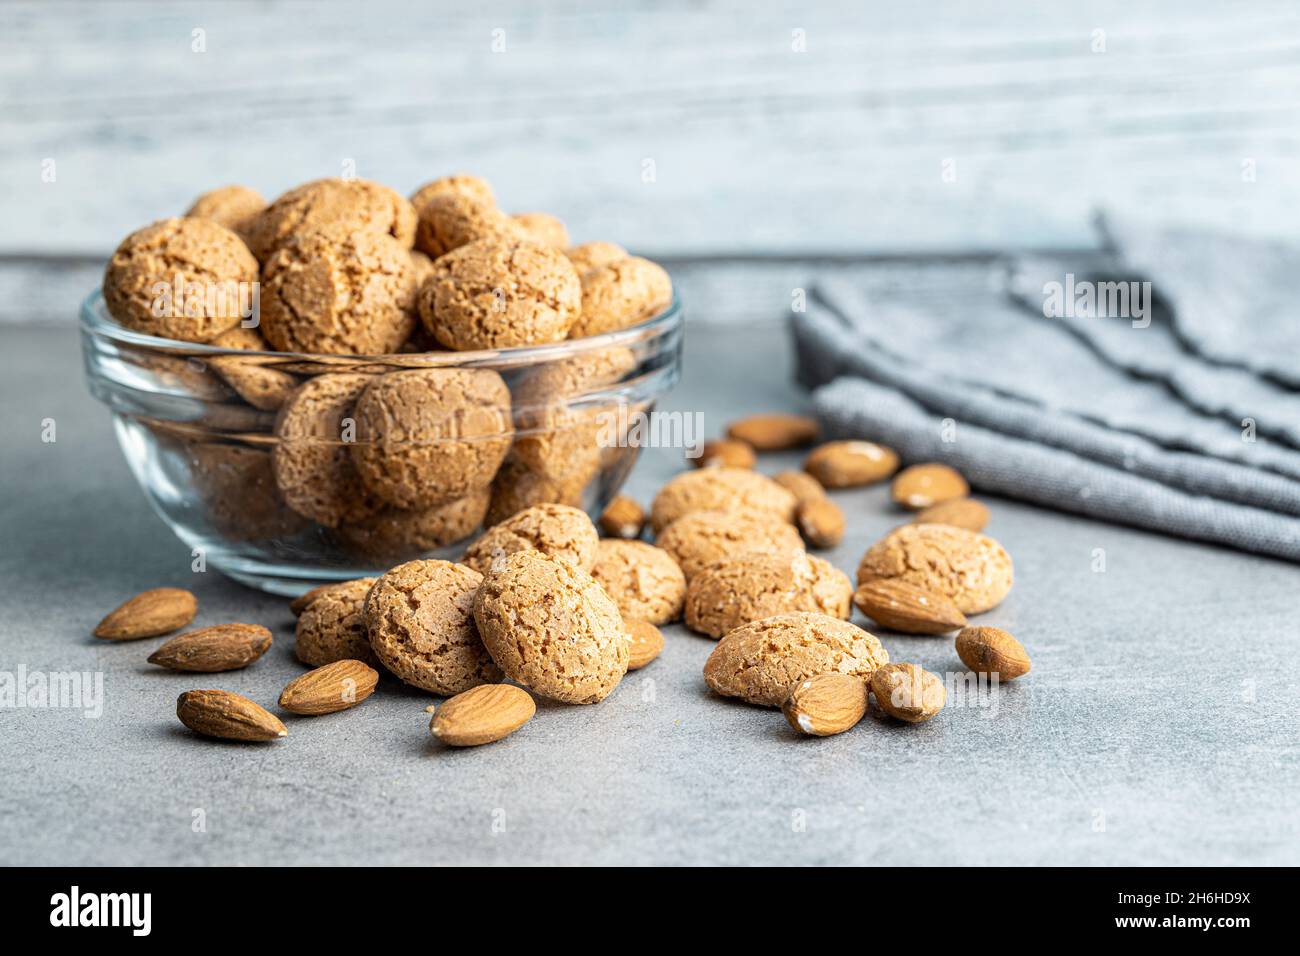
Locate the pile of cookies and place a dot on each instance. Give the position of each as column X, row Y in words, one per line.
column 543, row 601
column 389, row 461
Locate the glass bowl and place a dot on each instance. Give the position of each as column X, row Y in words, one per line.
column 256, row 461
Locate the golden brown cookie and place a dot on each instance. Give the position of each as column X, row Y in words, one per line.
column 395, row 534
column 454, row 219
column 644, row 581
column 333, row 626
column 419, row 616
column 186, row 279
column 552, row 628
column 698, row 539
column 492, row 295
column 313, row 455
column 462, row 183
column 720, row 489
column 517, row 487
column 234, row 207
column 543, row 229
column 555, row 530
column 345, row 206
column 972, row 570
column 422, row 266
column 334, row 294
column 760, row 662
column 621, row 294
column 593, row 255
column 237, row 487
column 251, row 377
column 425, row 436
column 741, row 588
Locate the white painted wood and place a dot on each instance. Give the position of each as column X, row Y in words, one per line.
column 756, row 148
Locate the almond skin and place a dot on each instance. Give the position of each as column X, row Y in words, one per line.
column 800, row 484
column 907, row 692
column 149, row 614
column 850, row 464
column 821, row 522
column 624, row 518
column 921, row 486
column 774, row 432
column 901, row 606
column 959, row 513
column 826, row 704
column 219, row 713
column 209, row 650
column 725, row 453
column 991, row 650
column 646, row 643
column 482, row 715
column 329, row 689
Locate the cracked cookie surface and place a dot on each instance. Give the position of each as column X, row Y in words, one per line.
column 644, row 581
column 742, row 588
column 420, row 619
column 556, row 530
column 552, row 628
column 702, row 537
column 620, row 294
column 973, row 570
column 345, row 205
column 759, row 662
column 333, row 626
column 720, row 489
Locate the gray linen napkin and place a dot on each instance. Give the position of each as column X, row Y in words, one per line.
column 1142, row 425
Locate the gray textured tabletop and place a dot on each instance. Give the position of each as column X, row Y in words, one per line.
column 1158, row 725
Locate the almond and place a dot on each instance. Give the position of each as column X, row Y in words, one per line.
column 482, row 715
column 800, row 484
column 774, row 432
column 222, row 647
column 921, row 486
column 646, row 643
column 826, row 704
column 725, row 453
column 821, row 522
column 959, row 513
column 991, row 650
column 624, row 518
column 331, row 688
column 149, row 614
column 907, row 692
column 901, row 606
column 219, row 713
column 299, row 604
column 850, row 464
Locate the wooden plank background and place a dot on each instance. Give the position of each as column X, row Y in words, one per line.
column 1190, row 112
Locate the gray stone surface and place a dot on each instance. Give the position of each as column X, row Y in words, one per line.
column 1158, row 725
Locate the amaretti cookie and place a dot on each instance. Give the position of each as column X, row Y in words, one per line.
column 644, row 581
column 346, row 206
column 235, row 207
column 452, row 219
column 741, row 588
column 491, row 294
column 463, row 183
column 972, row 570
column 720, row 489
column 698, row 539
column 543, row 229
column 312, row 457
column 205, row 264
column 593, row 255
column 621, row 294
column 557, row 531
column 333, row 626
column 426, row 436
column 339, row 294
column 419, row 616
column 552, row 628
column 517, row 486
column 395, row 534
column 250, row 376
column 760, row 662
column 236, row 484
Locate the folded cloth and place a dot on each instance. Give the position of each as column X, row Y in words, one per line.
column 1144, row 423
